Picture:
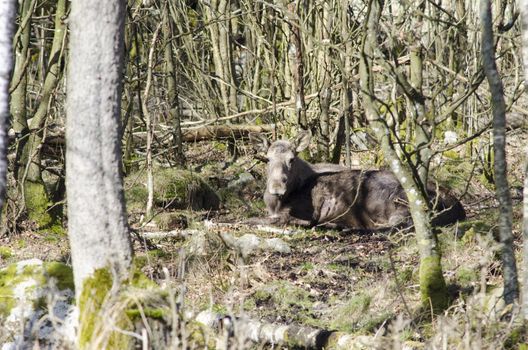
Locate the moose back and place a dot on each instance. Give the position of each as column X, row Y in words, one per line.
column 334, row 196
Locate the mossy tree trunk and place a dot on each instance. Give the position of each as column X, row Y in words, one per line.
column 523, row 4
column 7, row 24
column 498, row 106
column 18, row 101
column 97, row 222
column 432, row 284
column 36, row 197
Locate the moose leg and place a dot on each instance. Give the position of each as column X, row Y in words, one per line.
column 278, row 220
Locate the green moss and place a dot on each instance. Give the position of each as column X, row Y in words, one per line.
column 352, row 316
column 433, row 288
column 37, row 204
column 139, row 280
column 62, row 273
column 465, row 276
column 288, row 300
column 7, row 281
column 93, row 295
column 480, row 226
column 173, row 188
column 55, row 230
column 21, row 243
column 220, row 309
column 219, row 146
column 405, row 275
column 157, row 253
column 5, row 252
column 14, row 274
column 170, row 220
column 516, row 338
column 155, row 313
column 307, row 266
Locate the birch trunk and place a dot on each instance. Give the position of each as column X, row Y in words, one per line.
column 97, row 223
column 7, row 21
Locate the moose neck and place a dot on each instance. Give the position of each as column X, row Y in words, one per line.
column 302, row 170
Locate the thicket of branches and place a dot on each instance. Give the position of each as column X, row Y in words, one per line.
column 295, row 64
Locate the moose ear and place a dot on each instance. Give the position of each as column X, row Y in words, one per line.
column 260, row 142
column 302, row 140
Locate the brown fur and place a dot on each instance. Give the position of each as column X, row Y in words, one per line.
column 333, row 196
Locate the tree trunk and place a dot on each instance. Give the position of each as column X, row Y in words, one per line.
column 297, row 64
column 97, row 222
column 509, row 268
column 19, row 79
column 149, row 125
column 523, row 4
column 172, row 90
column 217, row 12
column 432, row 284
column 36, row 198
column 324, row 84
column 422, row 121
column 7, row 21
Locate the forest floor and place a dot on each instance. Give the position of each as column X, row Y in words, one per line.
column 363, row 284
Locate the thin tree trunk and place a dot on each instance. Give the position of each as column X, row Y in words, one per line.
column 7, row 25
column 36, row 198
column 523, row 4
column 18, row 105
column 432, row 284
column 148, row 122
column 325, row 80
column 509, row 268
column 347, row 96
column 172, row 92
column 423, row 123
column 297, row 64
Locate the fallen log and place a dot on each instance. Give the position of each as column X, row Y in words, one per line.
column 215, row 132
column 292, row 336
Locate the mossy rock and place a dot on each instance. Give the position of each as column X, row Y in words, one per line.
column 5, row 252
column 30, row 289
column 173, row 189
column 171, row 221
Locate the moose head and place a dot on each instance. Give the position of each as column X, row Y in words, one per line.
column 284, row 167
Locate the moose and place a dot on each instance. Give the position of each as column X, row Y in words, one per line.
column 334, row 196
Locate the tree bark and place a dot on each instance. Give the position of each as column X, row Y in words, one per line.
column 297, row 64
column 36, row 197
column 7, row 21
column 172, row 90
column 149, row 125
column 523, row 4
column 432, row 284
column 509, row 268
column 97, row 223
column 19, row 81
